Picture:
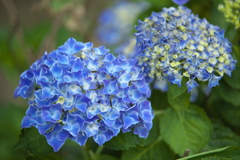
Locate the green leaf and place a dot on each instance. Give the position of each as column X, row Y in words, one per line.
column 158, row 100
column 106, row 157
column 34, row 142
column 215, row 158
column 229, row 94
column 178, row 97
column 230, row 114
column 123, row 141
column 234, row 80
column 45, row 157
column 231, row 152
column 158, row 150
column 176, row 91
column 221, row 137
column 180, row 102
column 186, row 129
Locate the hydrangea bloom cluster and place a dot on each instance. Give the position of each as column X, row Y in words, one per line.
column 78, row 92
column 231, row 10
column 175, row 43
column 116, row 23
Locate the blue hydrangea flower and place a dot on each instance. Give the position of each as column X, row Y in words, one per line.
column 115, row 23
column 78, row 91
column 175, row 43
column 180, row 2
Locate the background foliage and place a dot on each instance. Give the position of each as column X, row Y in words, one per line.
column 30, row 27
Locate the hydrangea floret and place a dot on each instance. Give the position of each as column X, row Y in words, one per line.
column 79, row 91
column 175, row 43
column 231, row 10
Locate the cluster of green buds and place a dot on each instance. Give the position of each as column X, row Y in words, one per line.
column 231, row 10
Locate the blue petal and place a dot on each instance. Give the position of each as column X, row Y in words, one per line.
column 93, row 65
column 62, row 136
column 145, row 90
column 86, row 83
column 77, row 66
column 74, row 89
column 49, row 62
column 27, row 122
column 67, row 79
column 52, row 113
column 109, row 57
column 92, row 111
column 71, row 46
column 141, row 131
column 129, row 119
column 63, row 59
column 99, row 52
column 46, row 93
column 134, row 95
column 56, row 70
column 124, row 79
column 47, row 115
column 81, row 106
column 213, row 81
column 56, row 138
column 91, row 129
column 203, row 75
column 55, row 144
column 100, row 139
column 81, row 139
column 112, row 68
column 176, row 79
column 118, row 104
column 113, row 114
column 146, row 112
column 110, row 87
column 22, row 91
column 108, row 122
column 44, row 128
column 73, row 123
column 191, row 84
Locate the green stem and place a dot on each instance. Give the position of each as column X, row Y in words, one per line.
column 85, row 153
column 94, row 156
column 159, row 112
column 99, row 150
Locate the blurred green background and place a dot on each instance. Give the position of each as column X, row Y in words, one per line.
column 30, row 27
column 27, row 29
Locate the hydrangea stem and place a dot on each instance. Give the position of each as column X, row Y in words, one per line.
column 99, row 150
column 159, row 112
column 94, row 156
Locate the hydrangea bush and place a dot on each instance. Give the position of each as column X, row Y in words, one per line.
column 101, row 99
